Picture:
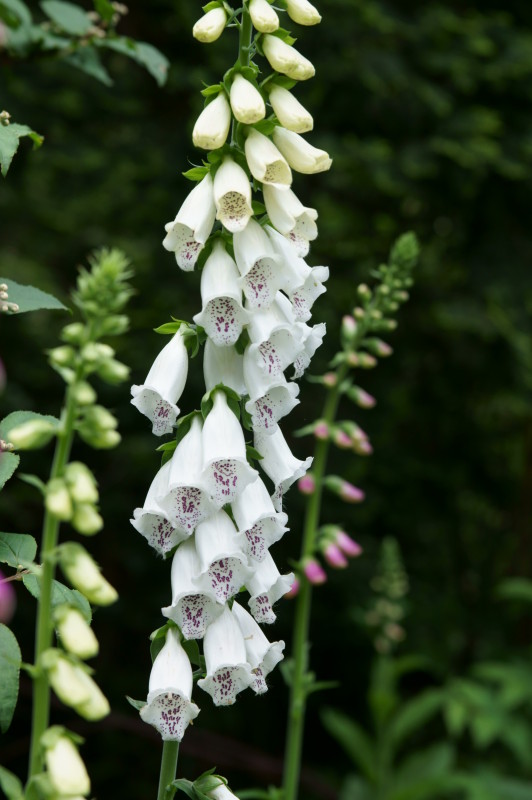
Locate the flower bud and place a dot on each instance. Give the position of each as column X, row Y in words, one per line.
column 378, row 347
column 362, row 447
column 344, row 489
column 307, row 484
column 85, row 575
column 263, row 16
column 301, row 155
column 366, row 361
column 314, row 572
column 330, row 379
column 334, row 556
column 289, row 111
column 349, row 327
column 246, row 101
column 8, row 600
column 98, row 418
column 303, row 12
column 93, row 352
column 286, row 59
column 66, row 771
column 362, row 398
column 57, row 499
column 211, row 26
column 75, row 633
column 74, row 333
column 347, row 544
column 212, row 126
column 364, row 292
column 83, row 393
column 321, row 430
column 113, row 371
column 62, row 356
column 342, row 439
column 32, row 434
column 86, row 519
column 113, row 325
column 81, row 483
column 74, row 686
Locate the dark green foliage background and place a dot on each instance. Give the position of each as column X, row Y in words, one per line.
column 426, row 110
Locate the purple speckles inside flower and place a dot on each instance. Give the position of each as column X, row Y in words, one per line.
column 225, row 478
column 256, row 542
column 259, row 285
column 262, row 610
column 223, row 322
column 225, row 578
column 193, row 616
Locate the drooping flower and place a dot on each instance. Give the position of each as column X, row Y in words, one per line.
column 286, row 59
column 276, row 338
column 266, row 586
column 151, row 521
column 263, row 16
column 220, row 548
column 303, row 12
column 75, row 633
column 64, row 765
column 257, row 518
column 262, row 655
column 74, row 686
column 169, row 707
column 84, row 574
column 265, row 162
column 291, row 218
column 303, row 284
column 156, row 398
column 258, row 264
column 314, row 571
column 232, row 196
column 269, row 399
column 291, row 114
column 210, row 26
column 301, row 155
column 212, row 126
column 246, row 101
column 187, row 234
column 312, row 338
column 278, row 462
column 223, row 365
column 228, row 671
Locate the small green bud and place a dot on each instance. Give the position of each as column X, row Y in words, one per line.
column 367, row 361
column 84, row 574
column 99, row 418
column 32, row 434
column 84, row 394
column 383, row 289
column 364, row 292
column 113, row 371
column 376, row 314
column 62, row 356
column 75, row 633
column 378, row 347
column 401, row 297
column 114, row 325
column 86, row 519
column 81, row 483
column 94, row 352
column 359, row 313
column 57, row 499
column 74, row 333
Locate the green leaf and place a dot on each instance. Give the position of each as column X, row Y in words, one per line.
column 67, row 16
column 265, row 126
column 253, row 454
column 10, row 136
column 28, row 298
column 61, row 595
column 181, row 785
column 211, row 5
column 10, row 785
column 8, row 464
column 414, row 714
column 355, row 741
column 10, row 661
column 17, row 418
column 434, row 761
column 168, row 328
column 17, row 549
column 196, row 173
column 515, row 589
column 33, row 480
column 19, row 9
column 105, row 9
column 258, row 208
column 144, row 54
column 87, row 59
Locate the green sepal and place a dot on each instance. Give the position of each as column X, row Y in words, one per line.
column 10, row 661
column 210, row 6
column 158, row 638
column 17, row 549
column 11, row 785
column 265, row 126
column 137, row 704
column 247, row 419
column 191, row 648
column 284, row 35
column 212, row 91
column 258, row 208
column 252, row 454
column 181, row 785
column 233, row 400
column 169, row 328
column 196, row 173
column 278, row 80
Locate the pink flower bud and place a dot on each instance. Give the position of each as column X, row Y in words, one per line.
column 294, row 590
column 347, row 544
column 330, row 379
column 321, row 430
column 367, row 361
column 8, row 600
column 383, row 349
column 334, row 556
column 307, row 484
column 349, row 327
column 362, row 447
column 362, row 398
column 314, row 571
column 342, row 439
column 353, row 360
column 350, row 493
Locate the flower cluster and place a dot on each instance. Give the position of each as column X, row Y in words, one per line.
column 215, row 505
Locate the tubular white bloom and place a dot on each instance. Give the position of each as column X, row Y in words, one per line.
column 232, row 196
column 269, row 400
column 151, row 521
column 303, row 12
column 187, row 499
column 212, row 125
column 246, row 101
column 266, row 586
column 66, row 769
column 228, row 672
column 263, row 16
column 75, row 633
column 222, row 314
column 187, row 234
column 291, row 114
column 289, row 215
column 286, row 59
column 194, row 603
column 210, row 26
column 301, row 155
column 303, row 284
column 276, row 339
column 220, row 549
column 169, row 707
column 278, row 462
column 265, row 162
column 258, row 265
column 226, row 468
column 304, row 298
column 262, row 655
column 223, row 365
column 312, row 338
column 156, row 398
column 255, row 514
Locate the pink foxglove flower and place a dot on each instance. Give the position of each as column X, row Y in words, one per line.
column 228, row 671
column 334, row 556
column 266, row 586
column 232, row 196
column 289, row 111
column 151, row 521
column 262, row 655
column 169, row 707
column 301, row 155
column 257, row 518
column 265, row 162
column 314, row 572
column 8, row 600
column 259, row 266
column 187, row 234
column 212, row 126
column 221, row 551
column 246, row 101
column 223, row 365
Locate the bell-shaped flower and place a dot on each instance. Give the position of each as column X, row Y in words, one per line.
column 286, row 59
column 256, row 516
column 64, row 765
column 291, row 114
column 276, row 339
column 266, row 586
column 210, row 26
column 265, row 162
column 301, row 155
column 169, row 707
column 302, row 283
column 228, row 671
column 194, row 604
column 220, row 549
column 212, row 125
column 258, row 264
column 151, row 521
column 262, row 655
column 269, row 400
column 187, row 234
column 305, row 296
column 291, row 217
column 222, row 314
column 263, row 16
column 226, row 469
column 312, row 338
column 187, row 498
column 246, row 101
column 278, row 462
column 303, row 12
column 232, row 196
column 223, row 365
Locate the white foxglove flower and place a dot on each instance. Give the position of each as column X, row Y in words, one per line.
column 262, row 655
column 194, row 604
column 305, row 296
column 186, row 500
column 212, row 126
column 151, row 521
column 228, row 672
column 156, row 398
column 303, row 12
column 301, row 155
column 169, row 707
column 265, row 162
column 223, row 365
column 232, row 196
column 303, row 284
column 222, row 314
column 226, row 469
column 258, row 265
column 246, row 101
column 269, row 400
column 187, row 234
column 263, row 16
column 276, row 338
column 286, row 59
column 266, row 586
column 220, row 549
column 290, row 217
column 256, row 516
column 210, row 26
column 278, row 462
column 312, row 338
column 291, row 114
column 65, row 768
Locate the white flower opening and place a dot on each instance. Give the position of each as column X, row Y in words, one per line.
column 246, row 101
column 312, row 338
column 266, row 586
column 291, row 114
column 187, row 234
column 276, row 338
column 228, row 671
column 301, row 155
column 256, row 516
column 265, row 162
column 221, row 555
column 262, row 655
column 151, row 521
column 232, row 196
column 269, row 400
column 212, row 126
column 259, row 266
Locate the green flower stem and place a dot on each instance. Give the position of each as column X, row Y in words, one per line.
column 44, row 625
column 245, row 34
column 168, row 767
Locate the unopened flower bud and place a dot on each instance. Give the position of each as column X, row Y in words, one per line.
column 75, row 633
column 364, row 292
column 349, row 327
column 363, row 447
column 246, row 101
column 113, row 325
column 366, row 361
column 286, row 59
column 65, row 769
column 359, row 313
column 211, row 26
column 85, row 575
column 8, row 600
column 113, row 371
column 62, row 356
column 86, row 519
column 334, row 556
column 330, row 379
column 74, row 686
column 94, row 352
column 342, row 439
column 73, row 333
column 352, row 359
column 263, row 16
column 294, row 590
column 394, row 632
column 347, row 544
column 314, row 572
column 289, row 111
column 81, row 483
column 57, row 499
column 307, row 484
column 321, row 430
column 32, row 434
column 212, row 126
column 303, row 12
column 362, row 398
column 344, row 489
column 99, row 418
column 84, row 393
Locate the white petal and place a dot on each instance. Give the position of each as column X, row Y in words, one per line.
column 278, row 462
column 269, row 399
column 228, row 672
column 286, row 59
column 295, row 269
column 221, row 554
column 266, row 586
column 289, row 111
column 303, row 298
column 210, row 26
column 256, row 516
column 301, row 155
column 312, row 339
column 246, row 101
column 258, row 265
column 187, row 234
column 171, row 668
column 262, row 655
column 288, row 214
column 303, row 12
column 212, row 126
column 151, row 521
column 169, row 713
column 265, row 162
column 223, row 365
column 263, row 16
column 232, row 196
column 222, row 314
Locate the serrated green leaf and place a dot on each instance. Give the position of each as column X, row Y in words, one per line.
column 17, row 418
column 70, row 18
column 10, row 136
column 8, row 464
column 28, row 298
column 17, row 549
column 11, row 785
column 144, row 54
column 10, row 661
column 61, row 595
column 87, row 59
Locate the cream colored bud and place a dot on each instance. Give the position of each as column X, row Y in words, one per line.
column 96, row 351
column 85, row 575
column 65, row 678
column 86, row 519
column 212, row 126
column 84, row 393
column 211, row 26
column 62, row 356
column 286, row 59
column 96, row 706
column 263, row 16
column 75, row 633
column 289, row 111
column 57, row 499
column 66, row 770
column 303, row 12
column 113, row 371
column 99, row 418
column 73, row 333
column 31, row 434
column 301, row 155
column 246, row 101
column 81, row 483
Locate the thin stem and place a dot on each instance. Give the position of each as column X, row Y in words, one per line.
column 245, row 34
column 168, row 767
